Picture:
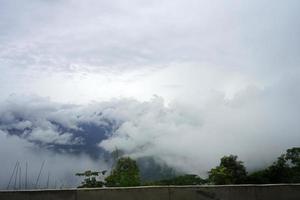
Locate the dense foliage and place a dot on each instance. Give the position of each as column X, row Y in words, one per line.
column 125, row 174
column 230, row 171
column 286, row 169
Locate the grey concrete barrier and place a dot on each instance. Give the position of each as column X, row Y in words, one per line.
column 137, row 193
column 39, row 195
column 228, row 192
column 237, row 192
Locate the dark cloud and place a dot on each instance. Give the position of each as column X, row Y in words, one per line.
column 54, row 126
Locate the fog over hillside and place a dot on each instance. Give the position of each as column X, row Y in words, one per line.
column 185, row 138
column 180, row 82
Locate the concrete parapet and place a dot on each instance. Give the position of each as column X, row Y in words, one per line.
column 137, row 193
column 39, row 195
column 228, row 192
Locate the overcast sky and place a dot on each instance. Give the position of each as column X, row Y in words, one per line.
column 195, row 79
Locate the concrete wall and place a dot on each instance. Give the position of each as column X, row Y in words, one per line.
column 235, row 192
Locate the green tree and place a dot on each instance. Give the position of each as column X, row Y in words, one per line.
column 90, row 180
column 286, row 169
column 293, row 155
column 125, row 174
column 278, row 172
column 230, row 171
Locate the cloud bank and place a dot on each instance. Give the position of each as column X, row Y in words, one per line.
column 257, row 124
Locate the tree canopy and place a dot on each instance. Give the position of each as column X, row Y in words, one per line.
column 286, row 169
column 125, row 174
column 230, row 171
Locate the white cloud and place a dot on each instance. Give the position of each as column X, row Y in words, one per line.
column 256, row 123
column 51, row 136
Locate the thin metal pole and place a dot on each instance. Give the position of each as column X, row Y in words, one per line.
column 20, row 175
column 26, row 176
column 48, row 180
column 12, row 175
column 37, row 180
column 16, row 176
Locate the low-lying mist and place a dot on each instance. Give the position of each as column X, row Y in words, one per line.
column 257, row 125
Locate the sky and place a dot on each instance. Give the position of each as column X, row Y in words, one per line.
column 185, row 82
